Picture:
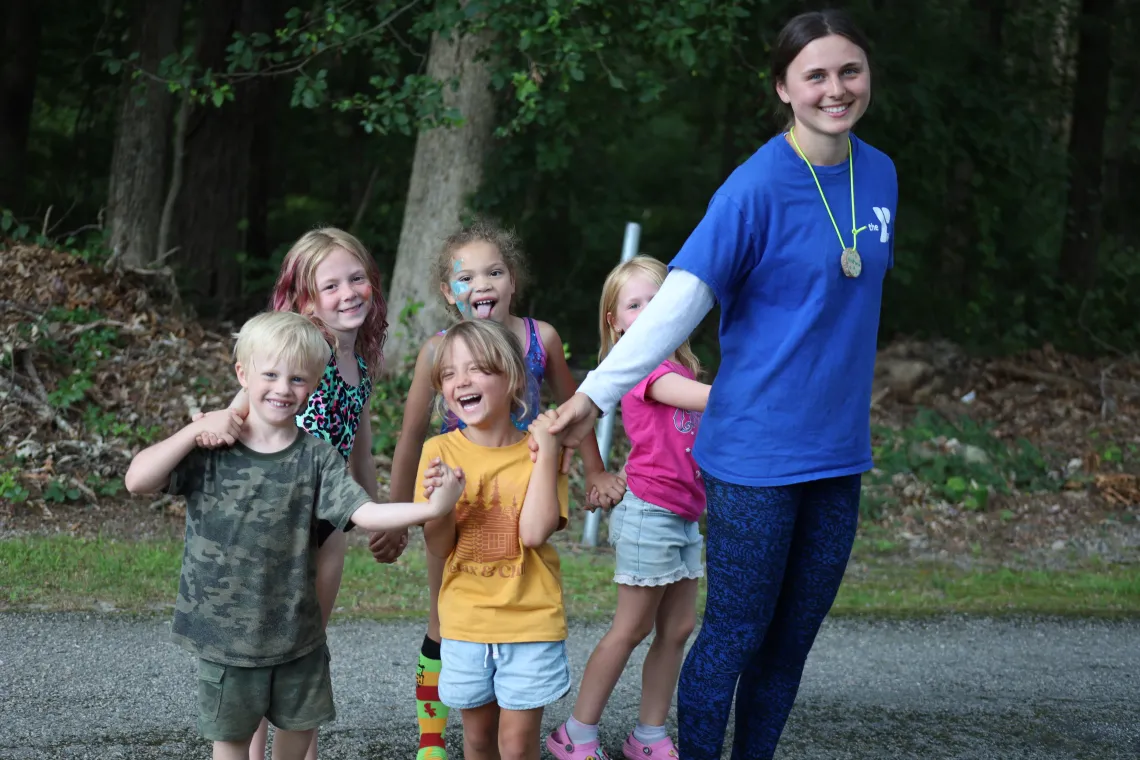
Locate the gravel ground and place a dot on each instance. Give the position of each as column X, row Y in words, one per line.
column 89, row 686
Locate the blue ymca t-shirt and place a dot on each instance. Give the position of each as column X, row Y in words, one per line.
column 791, row 401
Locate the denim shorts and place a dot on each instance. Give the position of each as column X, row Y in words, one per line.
column 654, row 547
column 517, row 676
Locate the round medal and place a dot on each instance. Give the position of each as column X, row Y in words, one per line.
column 851, row 262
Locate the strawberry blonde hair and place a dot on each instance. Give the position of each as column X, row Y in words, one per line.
column 296, row 289
column 655, row 271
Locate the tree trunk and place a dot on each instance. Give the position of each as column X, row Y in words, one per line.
column 212, row 208
column 446, row 170
column 143, row 137
column 960, row 235
column 1118, row 135
column 262, row 174
column 1084, row 210
column 1063, row 63
column 19, row 57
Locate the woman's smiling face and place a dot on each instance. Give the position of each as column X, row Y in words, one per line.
column 828, row 86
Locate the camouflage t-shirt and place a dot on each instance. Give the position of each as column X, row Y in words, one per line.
column 247, row 595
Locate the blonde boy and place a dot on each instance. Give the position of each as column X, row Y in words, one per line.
column 247, row 603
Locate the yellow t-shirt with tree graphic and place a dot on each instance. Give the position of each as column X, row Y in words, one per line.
column 495, row 590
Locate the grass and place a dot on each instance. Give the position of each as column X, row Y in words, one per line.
column 67, row 573
column 930, row 589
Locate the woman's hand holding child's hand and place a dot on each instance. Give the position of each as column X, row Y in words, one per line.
column 221, row 427
column 540, row 431
column 603, row 489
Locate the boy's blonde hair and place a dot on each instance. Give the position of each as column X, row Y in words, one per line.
column 285, row 336
column 482, row 230
column 496, row 351
column 655, row 271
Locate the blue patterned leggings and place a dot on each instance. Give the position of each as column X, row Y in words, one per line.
column 775, row 559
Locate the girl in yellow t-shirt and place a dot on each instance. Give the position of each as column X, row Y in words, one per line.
column 502, row 619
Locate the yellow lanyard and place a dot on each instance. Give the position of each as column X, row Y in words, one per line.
column 851, row 172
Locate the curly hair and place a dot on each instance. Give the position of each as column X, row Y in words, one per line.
column 483, row 230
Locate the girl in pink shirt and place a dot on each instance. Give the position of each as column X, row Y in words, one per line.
column 654, row 533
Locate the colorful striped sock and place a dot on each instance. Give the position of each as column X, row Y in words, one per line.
column 431, row 712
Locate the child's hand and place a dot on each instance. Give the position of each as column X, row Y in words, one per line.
column 387, row 546
column 218, row 428
column 209, row 440
column 594, row 502
column 605, row 489
column 567, row 453
column 540, row 430
column 433, row 473
column 446, row 489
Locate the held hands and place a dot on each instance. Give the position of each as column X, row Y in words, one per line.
column 572, row 422
column 387, row 546
column 575, row 420
column 443, row 486
column 542, row 436
column 569, row 425
column 221, row 427
column 604, row 489
column 210, row 438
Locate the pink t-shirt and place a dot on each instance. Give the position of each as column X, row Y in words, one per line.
column 661, row 469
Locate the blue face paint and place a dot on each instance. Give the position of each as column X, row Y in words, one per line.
column 457, row 266
column 458, row 289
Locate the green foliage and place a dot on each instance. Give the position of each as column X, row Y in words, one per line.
column 105, row 486
column 60, row 492
column 79, row 358
column 70, row 389
column 11, row 489
column 388, row 397
column 258, row 275
column 307, row 49
column 11, row 227
column 636, row 111
column 959, row 461
column 111, row 425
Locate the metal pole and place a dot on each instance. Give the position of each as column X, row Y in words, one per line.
column 605, row 427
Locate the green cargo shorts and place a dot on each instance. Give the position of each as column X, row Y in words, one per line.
column 294, row 696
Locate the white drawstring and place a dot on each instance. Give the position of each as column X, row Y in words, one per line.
column 493, row 651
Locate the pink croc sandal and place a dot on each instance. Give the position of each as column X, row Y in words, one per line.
column 632, row 749
column 562, row 748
